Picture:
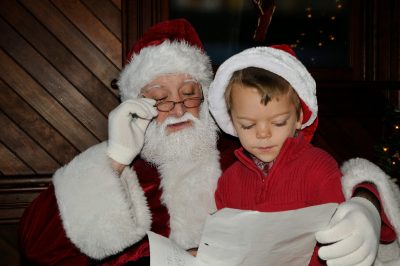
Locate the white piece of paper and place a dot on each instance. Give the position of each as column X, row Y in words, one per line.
column 166, row 252
column 234, row 237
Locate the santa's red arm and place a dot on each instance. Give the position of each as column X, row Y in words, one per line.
column 360, row 173
column 94, row 210
column 42, row 239
column 370, row 192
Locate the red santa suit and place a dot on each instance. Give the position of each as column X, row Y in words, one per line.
column 92, row 214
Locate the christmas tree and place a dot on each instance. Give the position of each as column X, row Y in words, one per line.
column 388, row 149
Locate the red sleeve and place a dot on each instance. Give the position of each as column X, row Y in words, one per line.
column 388, row 234
column 42, row 239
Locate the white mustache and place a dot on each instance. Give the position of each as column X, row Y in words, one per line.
column 175, row 120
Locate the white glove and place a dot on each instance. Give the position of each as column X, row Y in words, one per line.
column 354, row 233
column 126, row 126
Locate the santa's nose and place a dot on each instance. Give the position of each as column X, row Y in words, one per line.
column 178, row 110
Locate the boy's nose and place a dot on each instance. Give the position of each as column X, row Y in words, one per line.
column 263, row 132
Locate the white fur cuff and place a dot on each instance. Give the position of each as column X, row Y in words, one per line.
column 102, row 213
column 357, row 171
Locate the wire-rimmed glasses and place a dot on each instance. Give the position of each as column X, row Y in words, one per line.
column 167, row 106
column 190, row 92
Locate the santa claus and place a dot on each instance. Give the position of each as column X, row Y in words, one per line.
column 158, row 170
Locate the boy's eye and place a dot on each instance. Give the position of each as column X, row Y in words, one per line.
column 246, row 127
column 280, row 123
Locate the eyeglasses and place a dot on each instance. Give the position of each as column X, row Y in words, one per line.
column 188, row 103
column 190, row 91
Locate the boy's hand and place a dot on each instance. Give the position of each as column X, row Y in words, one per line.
column 353, row 234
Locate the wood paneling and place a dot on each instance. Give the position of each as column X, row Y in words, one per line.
column 109, row 15
column 10, row 164
column 75, row 40
column 57, row 61
column 38, row 129
column 59, row 55
column 138, row 16
column 17, row 193
column 25, row 148
column 91, row 27
column 43, row 102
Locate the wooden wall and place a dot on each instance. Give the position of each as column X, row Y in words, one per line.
column 57, row 60
column 59, row 57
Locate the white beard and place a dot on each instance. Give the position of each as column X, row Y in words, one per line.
column 188, row 162
column 186, row 145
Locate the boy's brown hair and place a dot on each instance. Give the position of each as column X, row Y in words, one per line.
column 268, row 84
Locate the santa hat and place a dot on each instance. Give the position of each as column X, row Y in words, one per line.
column 278, row 59
column 170, row 47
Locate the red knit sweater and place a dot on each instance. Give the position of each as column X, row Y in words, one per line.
column 302, row 176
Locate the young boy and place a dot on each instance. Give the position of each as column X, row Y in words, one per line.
column 266, row 97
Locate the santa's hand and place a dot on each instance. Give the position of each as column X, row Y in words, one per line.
column 353, row 234
column 126, row 126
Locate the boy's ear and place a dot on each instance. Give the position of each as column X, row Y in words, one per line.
column 300, row 120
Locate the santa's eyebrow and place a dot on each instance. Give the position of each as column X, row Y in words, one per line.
column 150, row 87
column 190, row 80
column 154, row 86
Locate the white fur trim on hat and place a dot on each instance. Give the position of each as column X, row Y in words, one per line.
column 177, row 57
column 271, row 59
